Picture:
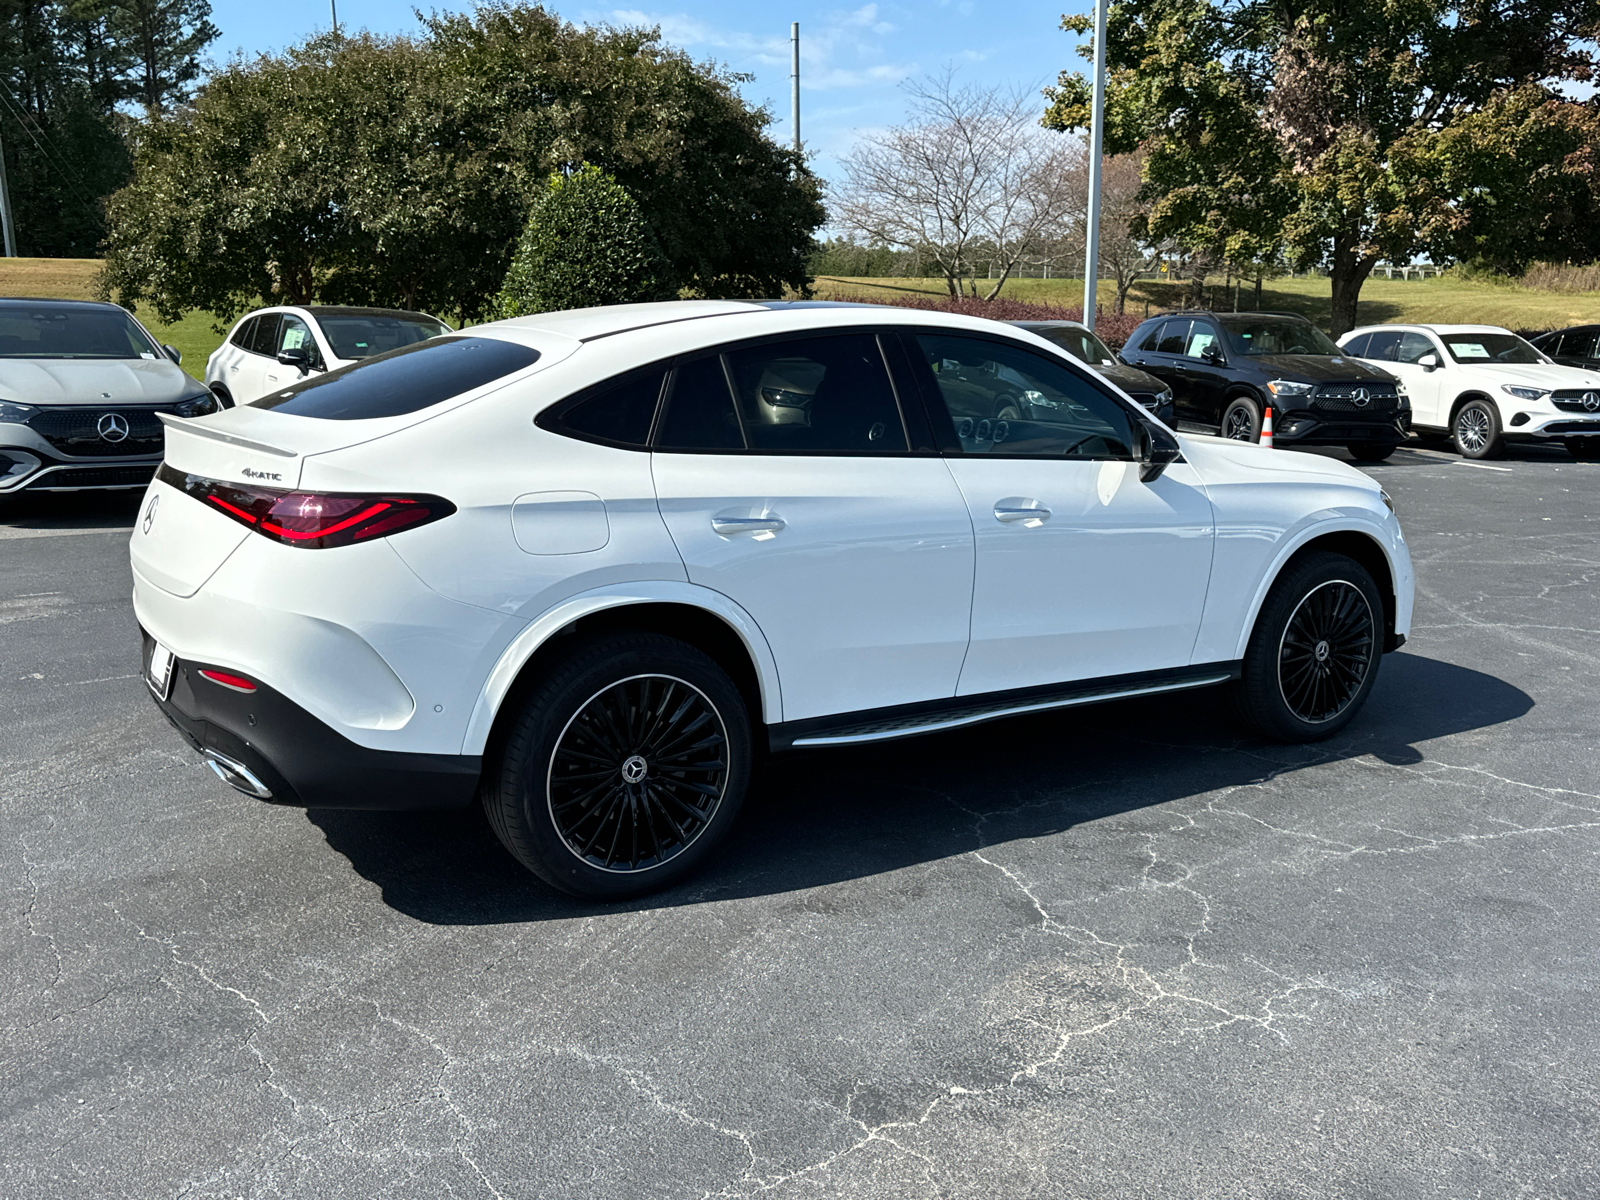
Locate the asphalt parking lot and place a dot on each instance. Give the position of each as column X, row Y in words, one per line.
column 1119, row 952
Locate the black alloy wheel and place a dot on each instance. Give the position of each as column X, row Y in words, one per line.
column 1476, row 430
column 1326, row 650
column 1370, row 451
column 1241, row 422
column 1314, row 652
column 638, row 773
column 620, row 766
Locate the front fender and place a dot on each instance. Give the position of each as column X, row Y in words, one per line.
column 553, row 620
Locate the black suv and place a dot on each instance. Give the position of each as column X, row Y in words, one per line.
column 1575, row 347
column 1224, row 369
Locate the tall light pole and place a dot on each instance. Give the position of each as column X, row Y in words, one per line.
column 333, row 8
column 10, row 233
column 1091, row 256
column 794, row 80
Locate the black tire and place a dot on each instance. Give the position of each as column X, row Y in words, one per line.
column 1241, row 420
column 1008, row 408
column 1370, row 451
column 589, row 826
column 1475, row 430
column 1314, row 652
column 1585, row 449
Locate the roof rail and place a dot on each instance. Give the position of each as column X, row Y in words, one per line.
column 1253, row 312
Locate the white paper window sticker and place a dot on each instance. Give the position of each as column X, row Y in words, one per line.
column 1469, row 349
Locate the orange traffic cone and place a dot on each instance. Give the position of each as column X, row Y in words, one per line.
column 1266, row 428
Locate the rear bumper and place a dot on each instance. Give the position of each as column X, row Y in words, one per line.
column 299, row 759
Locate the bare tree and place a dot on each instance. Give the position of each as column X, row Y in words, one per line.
column 1124, row 252
column 972, row 170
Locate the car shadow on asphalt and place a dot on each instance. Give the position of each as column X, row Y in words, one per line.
column 822, row 817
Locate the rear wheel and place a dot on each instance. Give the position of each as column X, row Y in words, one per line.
column 1586, row 448
column 1476, row 430
column 1370, row 451
column 1313, row 654
column 625, row 765
column 1241, row 420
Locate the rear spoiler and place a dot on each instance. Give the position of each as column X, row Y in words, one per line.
column 188, row 426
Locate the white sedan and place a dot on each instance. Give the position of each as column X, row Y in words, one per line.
column 271, row 348
column 1484, row 386
column 585, row 566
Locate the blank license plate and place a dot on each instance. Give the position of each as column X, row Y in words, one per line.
column 159, row 673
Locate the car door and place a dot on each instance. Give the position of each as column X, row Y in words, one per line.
column 1083, row 571
column 249, row 381
column 1204, row 367
column 787, row 479
column 1425, row 386
column 232, row 357
column 1163, row 355
column 293, row 334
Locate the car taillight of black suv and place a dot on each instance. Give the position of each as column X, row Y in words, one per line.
column 1225, row 369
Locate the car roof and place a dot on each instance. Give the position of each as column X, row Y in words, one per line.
column 590, row 324
column 82, row 305
column 1062, row 324
column 345, row 310
column 1440, row 329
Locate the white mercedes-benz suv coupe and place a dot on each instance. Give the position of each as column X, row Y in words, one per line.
column 585, row 566
column 274, row 347
column 1484, row 386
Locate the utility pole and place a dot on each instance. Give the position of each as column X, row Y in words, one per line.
column 5, row 207
column 333, row 7
column 1091, row 258
column 794, row 80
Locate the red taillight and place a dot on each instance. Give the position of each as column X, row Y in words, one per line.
column 237, row 682
column 314, row 520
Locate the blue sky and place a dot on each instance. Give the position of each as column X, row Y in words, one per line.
column 853, row 58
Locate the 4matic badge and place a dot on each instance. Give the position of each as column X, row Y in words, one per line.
column 251, row 473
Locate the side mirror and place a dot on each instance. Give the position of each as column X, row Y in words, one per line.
column 298, row 357
column 1429, row 361
column 173, row 353
column 1157, row 449
column 1213, row 356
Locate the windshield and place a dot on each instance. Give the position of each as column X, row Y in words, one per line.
column 363, row 335
column 1490, row 347
column 49, row 331
column 1079, row 343
column 1278, row 336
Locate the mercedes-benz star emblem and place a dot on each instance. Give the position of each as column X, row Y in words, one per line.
column 150, row 513
column 1361, row 397
column 1591, row 401
column 113, row 427
column 634, row 769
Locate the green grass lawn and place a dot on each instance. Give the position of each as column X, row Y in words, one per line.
column 1443, row 301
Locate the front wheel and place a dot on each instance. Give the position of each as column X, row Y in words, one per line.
column 1370, row 451
column 1313, row 655
column 1241, row 421
column 1584, row 448
column 1476, row 430
column 623, row 768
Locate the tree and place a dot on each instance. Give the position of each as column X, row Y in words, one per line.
column 164, row 38
column 586, row 243
column 402, row 170
column 970, row 171
column 1311, row 126
column 1124, row 250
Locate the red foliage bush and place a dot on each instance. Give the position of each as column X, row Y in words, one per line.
column 1111, row 328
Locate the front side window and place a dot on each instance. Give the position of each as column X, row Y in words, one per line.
column 295, row 334
column 817, row 395
column 1576, row 345
column 1278, row 335
column 403, row 381
column 1203, row 340
column 367, row 334
column 1006, row 400
column 51, row 331
column 1412, row 346
column 1490, row 347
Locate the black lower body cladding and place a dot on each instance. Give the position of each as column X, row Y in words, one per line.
column 1308, row 427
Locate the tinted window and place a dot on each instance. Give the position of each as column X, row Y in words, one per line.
column 264, row 338
column 1079, row 343
column 1006, row 400
column 1413, row 346
column 1278, row 335
column 1202, row 340
column 403, row 381
column 1356, row 347
column 618, row 413
column 295, row 334
column 243, row 334
column 819, row 395
column 1385, row 347
column 1575, row 345
column 1174, row 337
column 368, row 334
column 59, row 331
column 700, row 412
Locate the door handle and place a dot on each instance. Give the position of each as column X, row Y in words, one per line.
column 728, row 526
column 1030, row 515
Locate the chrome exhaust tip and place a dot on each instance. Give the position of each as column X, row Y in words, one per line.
column 237, row 776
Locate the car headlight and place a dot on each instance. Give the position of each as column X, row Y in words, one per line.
column 1163, row 397
column 16, row 413
column 1288, row 387
column 1524, row 393
column 1386, row 499
column 197, row 406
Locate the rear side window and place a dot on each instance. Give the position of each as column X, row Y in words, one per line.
column 264, row 338
column 817, row 395
column 700, row 412
column 243, row 334
column 1356, row 347
column 618, row 412
column 403, row 381
column 1174, row 337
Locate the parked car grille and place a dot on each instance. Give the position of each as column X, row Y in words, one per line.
column 1368, row 399
column 77, row 431
column 1572, row 399
column 92, row 477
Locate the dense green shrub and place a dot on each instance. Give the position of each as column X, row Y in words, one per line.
column 586, row 243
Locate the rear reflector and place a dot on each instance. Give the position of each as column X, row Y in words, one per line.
column 313, row 520
column 237, row 682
